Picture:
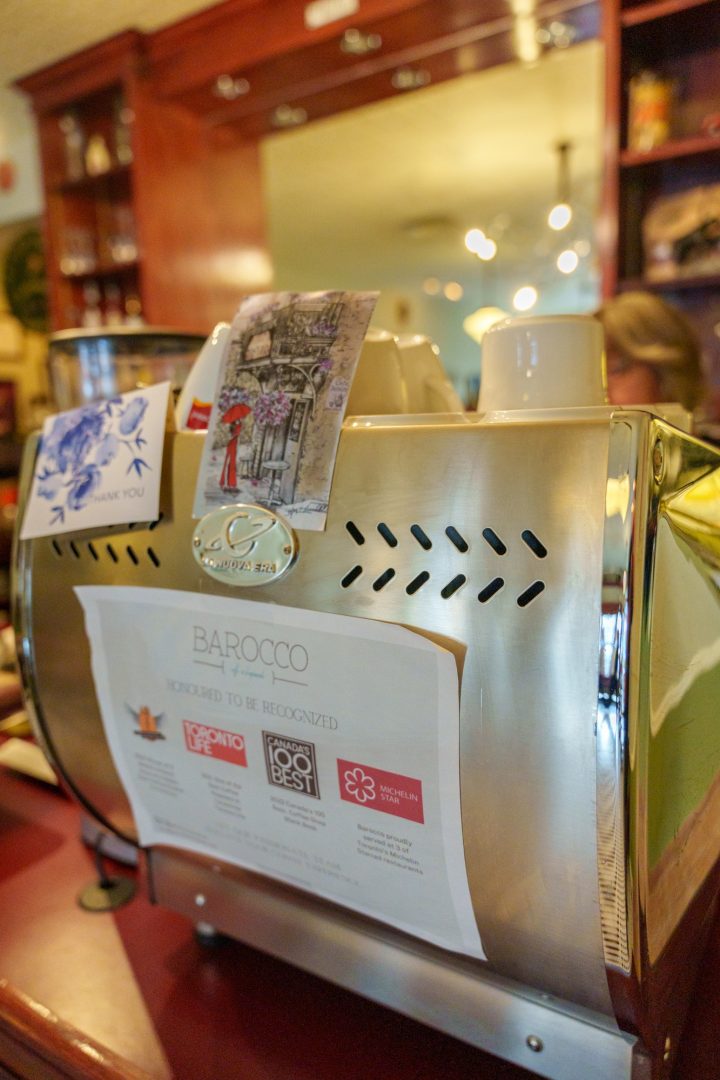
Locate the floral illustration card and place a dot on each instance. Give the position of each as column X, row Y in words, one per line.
column 99, row 464
column 280, row 403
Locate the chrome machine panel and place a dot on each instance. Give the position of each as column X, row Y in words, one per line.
column 545, row 545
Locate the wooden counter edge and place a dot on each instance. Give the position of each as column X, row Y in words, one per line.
column 37, row 1045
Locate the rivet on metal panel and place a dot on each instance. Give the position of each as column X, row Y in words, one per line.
column 535, row 1043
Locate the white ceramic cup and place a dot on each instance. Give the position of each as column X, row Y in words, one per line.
column 202, row 380
column 378, row 387
column 428, row 387
column 543, row 362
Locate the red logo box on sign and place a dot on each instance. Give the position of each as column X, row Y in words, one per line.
column 376, row 789
column 215, row 743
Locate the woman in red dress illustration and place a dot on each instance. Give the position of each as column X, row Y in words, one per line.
column 234, row 417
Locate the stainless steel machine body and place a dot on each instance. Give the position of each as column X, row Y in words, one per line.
column 576, row 553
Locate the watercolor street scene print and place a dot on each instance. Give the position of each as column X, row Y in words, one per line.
column 99, row 464
column 280, row 403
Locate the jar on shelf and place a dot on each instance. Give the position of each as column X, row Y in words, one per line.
column 97, row 156
column 650, row 101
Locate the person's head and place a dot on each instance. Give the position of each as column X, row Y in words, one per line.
column 652, row 352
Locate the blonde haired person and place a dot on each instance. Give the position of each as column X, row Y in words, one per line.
column 653, row 354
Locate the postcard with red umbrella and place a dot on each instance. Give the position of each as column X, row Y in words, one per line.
column 280, row 402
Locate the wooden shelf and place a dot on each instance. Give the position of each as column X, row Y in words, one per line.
column 104, row 270
column 657, row 9
column 90, row 184
column 695, row 146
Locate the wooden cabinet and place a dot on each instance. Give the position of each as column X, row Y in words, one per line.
column 678, row 43
column 131, row 227
column 86, row 138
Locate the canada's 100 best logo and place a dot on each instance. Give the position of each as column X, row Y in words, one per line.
column 291, row 764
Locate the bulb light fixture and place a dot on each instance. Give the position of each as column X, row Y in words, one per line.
column 561, row 213
column 525, row 298
column 567, row 261
column 481, row 245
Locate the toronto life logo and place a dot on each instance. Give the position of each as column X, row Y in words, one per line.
column 215, row 743
column 291, row 764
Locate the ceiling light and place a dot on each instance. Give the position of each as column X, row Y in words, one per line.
column 453, row 291
column 567, row 261
column 487, row 250
column 406, row 78
column 286, row 116
column 480, row 244
column 229, row 88
column 561, row 214
column 562, row 34
column 358, row 43
column 525, row 41
column 474, row 239
column 557, row 35
column 525, row 298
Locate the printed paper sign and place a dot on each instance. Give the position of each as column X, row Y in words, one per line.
column 280, row 402
column 234, row 737
column 99, row 465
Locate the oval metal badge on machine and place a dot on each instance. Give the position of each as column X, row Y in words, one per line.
column 244, row 545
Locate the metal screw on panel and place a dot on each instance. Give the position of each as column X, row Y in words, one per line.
column 658, row 460
column 196, row 541
column 535, row 1043
column 200, row 900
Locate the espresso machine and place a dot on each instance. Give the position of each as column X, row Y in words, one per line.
column 575, row 552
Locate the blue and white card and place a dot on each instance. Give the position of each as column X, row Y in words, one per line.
column 99, row 465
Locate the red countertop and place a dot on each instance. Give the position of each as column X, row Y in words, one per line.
column 147, row 999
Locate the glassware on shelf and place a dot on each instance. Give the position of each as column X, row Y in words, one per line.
column 122, row 131
column 74, row 146
column 133, row 311
column 650, row 102
column 77, row 251
column 113, row 305
column 92, row 312
column 122, row 241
